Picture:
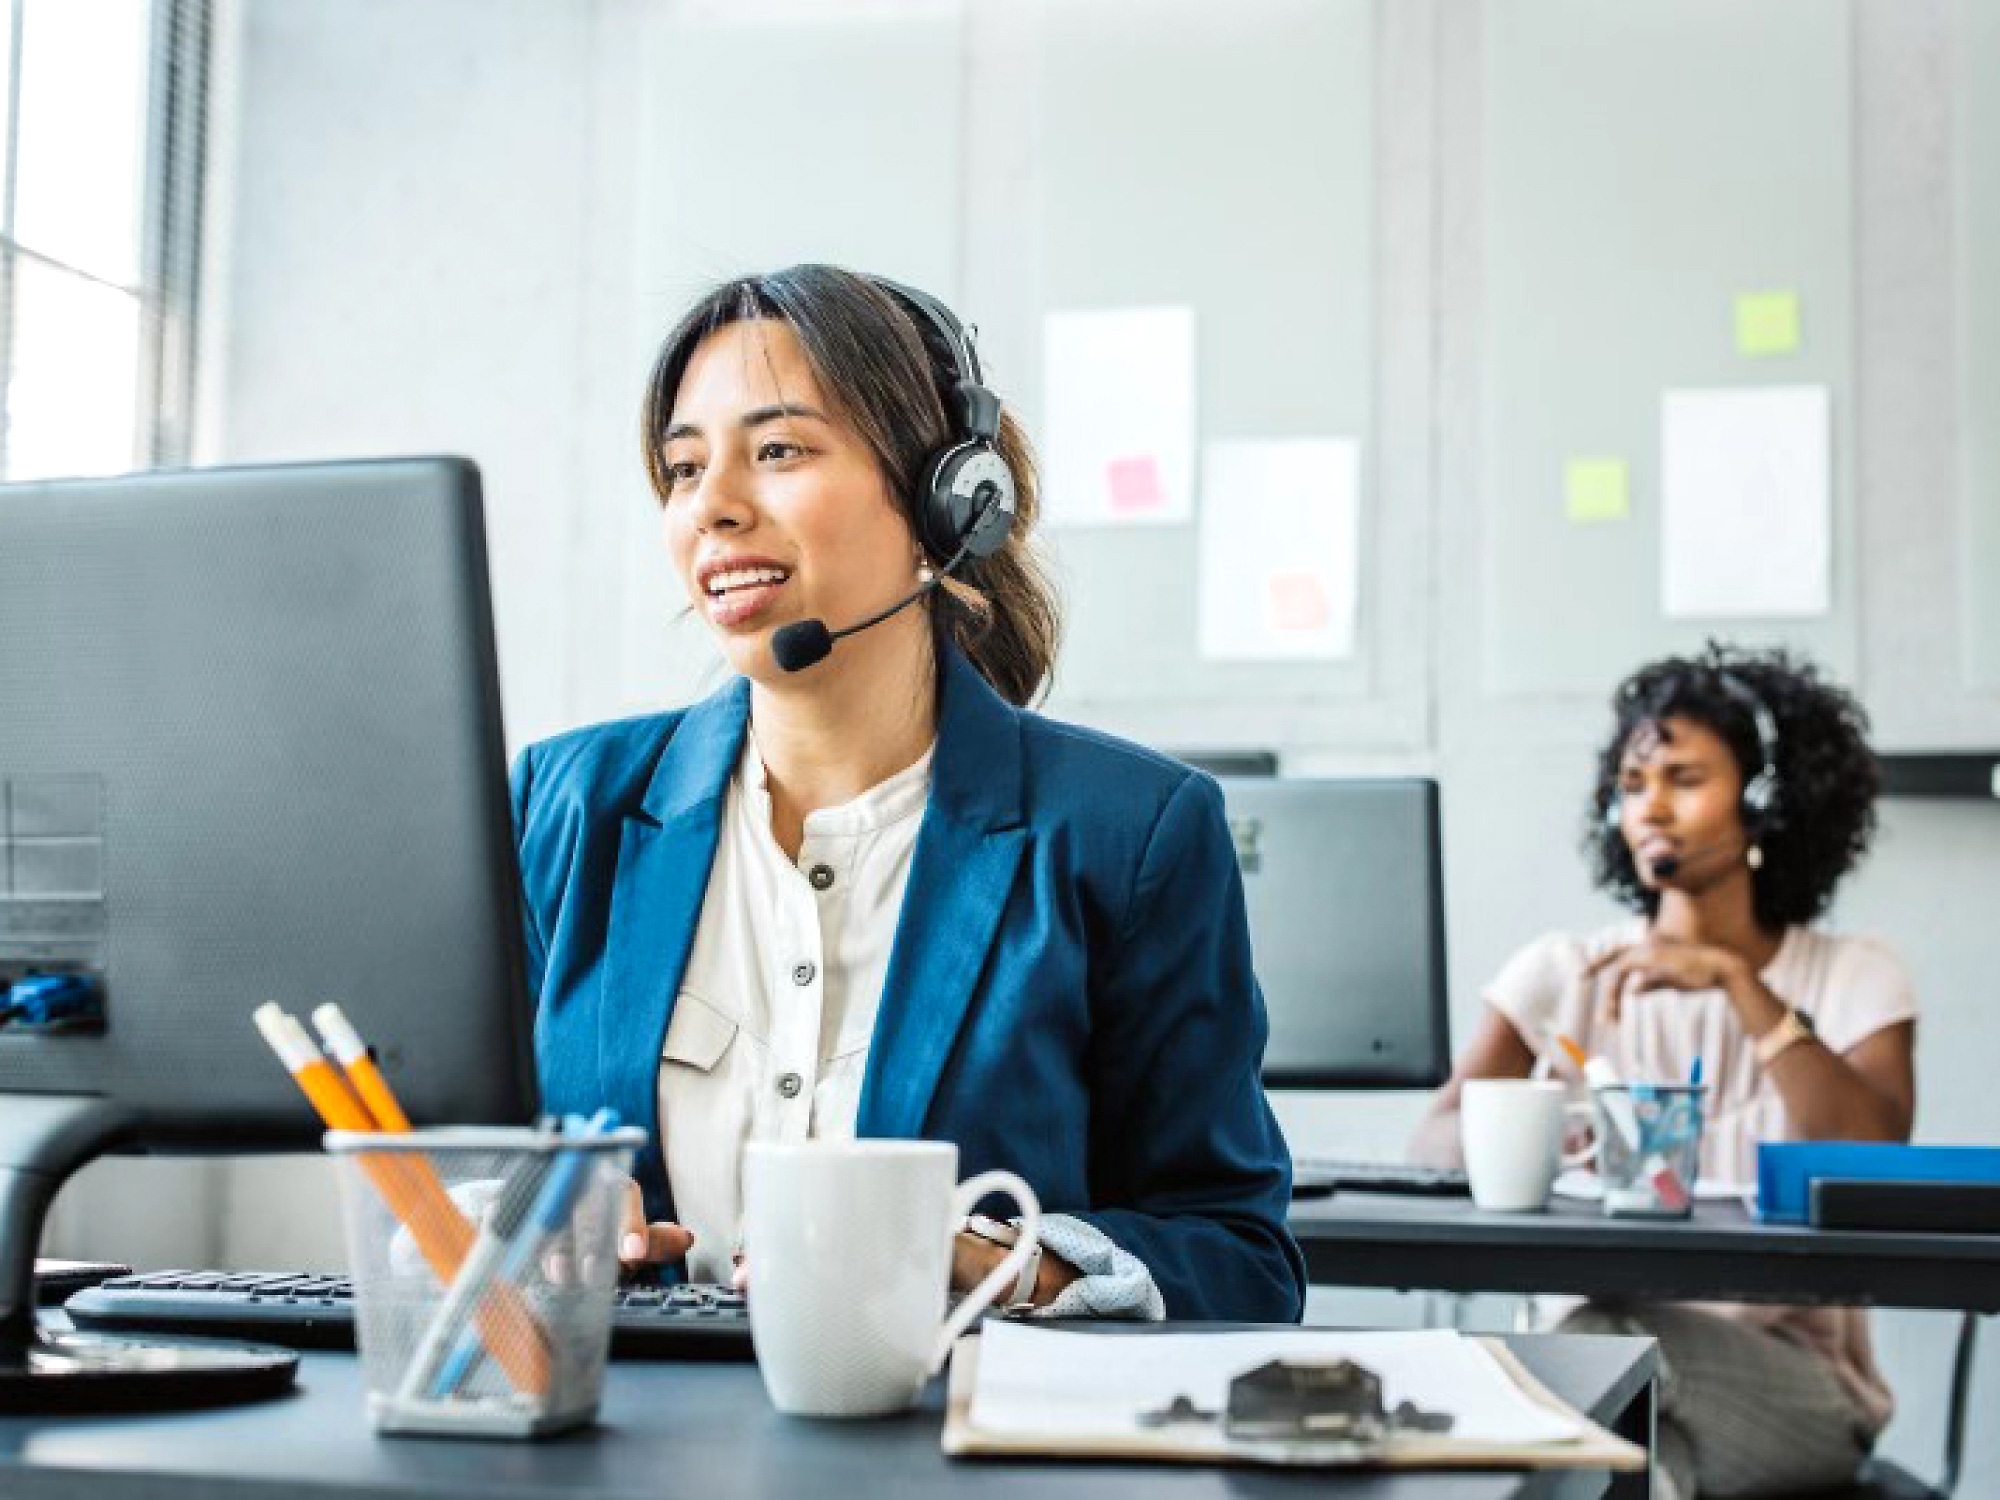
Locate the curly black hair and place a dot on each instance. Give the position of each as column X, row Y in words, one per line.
column 1826, row 774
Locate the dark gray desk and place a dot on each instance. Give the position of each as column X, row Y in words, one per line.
column 707, row 1432
column 1722, row 1254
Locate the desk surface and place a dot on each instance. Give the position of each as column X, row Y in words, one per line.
column 1722, row 1253
column 694, row 1430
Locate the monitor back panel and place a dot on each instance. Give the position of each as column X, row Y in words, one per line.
column 250, row 750
column 1344, row 885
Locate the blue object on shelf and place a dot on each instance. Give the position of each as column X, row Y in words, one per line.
column 1786, row 1169
column 52, row 1000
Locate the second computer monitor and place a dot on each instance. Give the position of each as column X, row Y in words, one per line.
column 1344, row 884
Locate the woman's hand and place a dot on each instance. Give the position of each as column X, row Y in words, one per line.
column 972, row 1258
column 641, row 1244
column 1661, row 963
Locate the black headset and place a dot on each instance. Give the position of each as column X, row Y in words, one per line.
column 1762, row 803
column 967, row 502
column 1761, row 800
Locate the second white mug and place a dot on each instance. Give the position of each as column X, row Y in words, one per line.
column 849, row 1244
column 1511, row 1130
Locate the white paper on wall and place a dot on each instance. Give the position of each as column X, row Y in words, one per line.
column 1746, row 503
column 1279, row 539
column 1118, row 421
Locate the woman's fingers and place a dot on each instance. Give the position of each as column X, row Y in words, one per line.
column 740, row 1276
column 1616, row 979
column 644, row 1244
column 652, row 1245
column 632, row 1228
column 1605, row 959
column 666, row 1241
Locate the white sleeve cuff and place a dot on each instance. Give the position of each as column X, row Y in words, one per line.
column 1114, row 1284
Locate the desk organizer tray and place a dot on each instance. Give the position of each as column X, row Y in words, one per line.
column 1786, row 1169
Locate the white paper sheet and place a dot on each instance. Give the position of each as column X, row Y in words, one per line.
column 1118, row 417
column 1043, row 1381
column 1279, row 523
column 1585, row 1186
column 1746, row 503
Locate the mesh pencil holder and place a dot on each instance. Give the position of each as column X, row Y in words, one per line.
column 1649, row 1147
column 483, row 1262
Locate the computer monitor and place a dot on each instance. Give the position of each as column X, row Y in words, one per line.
column 250, row 750
column 1345, row 888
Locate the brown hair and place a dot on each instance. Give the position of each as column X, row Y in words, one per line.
column 888, row 374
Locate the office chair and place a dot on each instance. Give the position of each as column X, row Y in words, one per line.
column 1882, row 1480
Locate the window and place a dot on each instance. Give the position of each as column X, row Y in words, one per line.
column 100, row 195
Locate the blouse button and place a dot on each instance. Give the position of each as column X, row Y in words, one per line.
column 790, row 1084
column 802, row 974
column 821, row 876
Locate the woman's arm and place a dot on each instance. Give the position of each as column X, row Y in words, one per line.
column 1188, row 1169
column 1867, row 1093
column 1496, row 1051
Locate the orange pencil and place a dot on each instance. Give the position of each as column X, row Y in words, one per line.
column 345, row 1043
column 415, row 1196
column 1575, row 1053
column 368, row 1084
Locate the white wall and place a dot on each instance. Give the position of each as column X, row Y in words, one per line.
column 461, row 225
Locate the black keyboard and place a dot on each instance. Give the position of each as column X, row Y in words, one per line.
column 1314, row 1176
column 301, row 1311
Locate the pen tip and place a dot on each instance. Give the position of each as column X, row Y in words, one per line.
column 1571, row 1050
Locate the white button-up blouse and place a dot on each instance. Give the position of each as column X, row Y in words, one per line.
column 770, row 1031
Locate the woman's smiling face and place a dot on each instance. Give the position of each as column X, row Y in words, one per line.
column 776, row 509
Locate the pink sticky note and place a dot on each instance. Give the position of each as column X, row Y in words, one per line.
column 1135, row 484
column 1298, row 602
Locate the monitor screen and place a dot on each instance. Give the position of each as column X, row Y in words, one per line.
column 251, row 751
column 1344, row 883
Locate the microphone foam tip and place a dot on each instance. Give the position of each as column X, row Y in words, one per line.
column 800, row 644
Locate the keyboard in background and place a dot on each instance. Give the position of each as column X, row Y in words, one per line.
column 303, row 1311
column 1315, row 1176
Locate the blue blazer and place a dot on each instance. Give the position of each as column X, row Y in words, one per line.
column 1069, row 994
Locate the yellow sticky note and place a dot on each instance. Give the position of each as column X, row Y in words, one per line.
column 1598, row 489
column 1767, row 323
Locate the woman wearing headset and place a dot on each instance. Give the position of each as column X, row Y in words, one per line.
column 1735, row 790
column 866, row 891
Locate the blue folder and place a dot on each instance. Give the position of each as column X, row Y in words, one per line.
column 1786, row 1169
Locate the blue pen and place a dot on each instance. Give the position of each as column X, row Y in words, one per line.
column 553, row 1206
column 518, row 1195
column 1694, row 1073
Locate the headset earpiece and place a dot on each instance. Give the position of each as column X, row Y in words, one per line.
column 969, row 493
column 1762, row 799
column 968, row 502
column 1760, row 795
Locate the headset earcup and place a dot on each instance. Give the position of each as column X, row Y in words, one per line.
column 939, row 527
column 952, row 497
column 1760, row 802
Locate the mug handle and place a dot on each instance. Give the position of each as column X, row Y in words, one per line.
column 1002, row 1276
column 1585, row 1154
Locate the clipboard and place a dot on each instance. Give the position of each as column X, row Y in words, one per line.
column 1597, row 1448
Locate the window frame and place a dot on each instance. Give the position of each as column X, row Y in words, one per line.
column 172, row 191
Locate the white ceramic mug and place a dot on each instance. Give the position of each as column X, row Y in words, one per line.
column 1511, row 1130
column 849, row 1244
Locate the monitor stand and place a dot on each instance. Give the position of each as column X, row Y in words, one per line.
column 44, row 1138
